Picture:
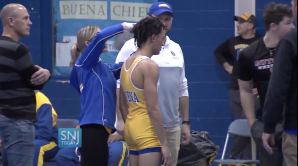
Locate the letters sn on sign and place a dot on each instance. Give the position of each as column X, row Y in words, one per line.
column 70, row 137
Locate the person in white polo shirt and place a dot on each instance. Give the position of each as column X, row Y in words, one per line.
column 172, row 86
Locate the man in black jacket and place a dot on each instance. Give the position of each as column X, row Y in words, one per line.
column 229, row 52
column 283, row 92
column 255, row 67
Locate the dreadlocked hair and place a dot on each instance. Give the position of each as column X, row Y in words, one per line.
column 145, row 28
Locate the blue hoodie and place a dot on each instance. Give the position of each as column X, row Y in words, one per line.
column 96, row 81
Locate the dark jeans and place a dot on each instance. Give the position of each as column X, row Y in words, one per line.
column 17, row 142
column 266, row 159
column 241, row 148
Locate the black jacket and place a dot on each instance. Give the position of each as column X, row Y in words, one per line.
column 282, row 90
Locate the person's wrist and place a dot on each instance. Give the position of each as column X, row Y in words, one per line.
column 126, row 26
column 164, row 144
column 120, row 137
column 251, row 122
column 269, row 128
column 228, row 67
column 186, row 122
column 184, row 126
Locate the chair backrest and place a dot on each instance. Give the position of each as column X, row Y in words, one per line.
column 67, row 123
column 240, row 128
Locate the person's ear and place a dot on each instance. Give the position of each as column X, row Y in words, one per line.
column 153, row 37
column 86, row 43
column 251, row 26
column 10, row 21
column 273, row 26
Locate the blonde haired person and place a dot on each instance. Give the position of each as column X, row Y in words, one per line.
column 74, row 54
column 95, row 81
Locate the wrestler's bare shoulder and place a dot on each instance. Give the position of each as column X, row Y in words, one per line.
column 148, row 64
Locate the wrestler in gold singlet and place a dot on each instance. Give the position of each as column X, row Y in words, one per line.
column 139, row 132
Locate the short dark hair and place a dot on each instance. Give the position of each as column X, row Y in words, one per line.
column 275, row 13
column 146, row 28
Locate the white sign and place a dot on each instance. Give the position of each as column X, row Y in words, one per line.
column 126, row 11
column 84, row 10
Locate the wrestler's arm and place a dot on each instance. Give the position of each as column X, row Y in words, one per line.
column 123, row 104
column 150, row 71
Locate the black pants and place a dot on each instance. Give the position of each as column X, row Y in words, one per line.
column 266, row 159
column 94, row 150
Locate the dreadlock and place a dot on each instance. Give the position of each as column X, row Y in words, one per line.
column 145, row 28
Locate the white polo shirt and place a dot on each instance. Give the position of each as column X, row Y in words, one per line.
column 172, row 82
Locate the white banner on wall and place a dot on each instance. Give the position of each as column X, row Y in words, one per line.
column 84, row 10
column 72, row 15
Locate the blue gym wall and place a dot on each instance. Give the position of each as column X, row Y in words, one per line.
column 199, row 26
